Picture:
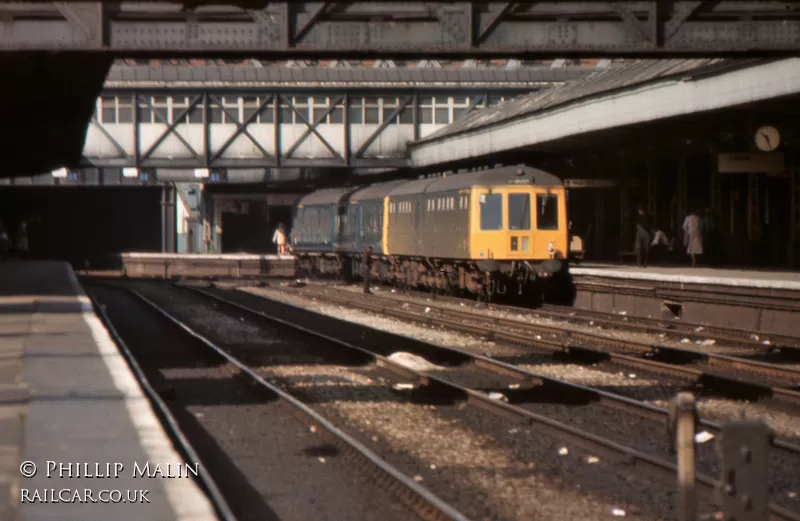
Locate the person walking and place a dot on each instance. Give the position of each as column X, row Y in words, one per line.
column 693, row 236
column 367, row 270
column 642, row 240
column 279, row 238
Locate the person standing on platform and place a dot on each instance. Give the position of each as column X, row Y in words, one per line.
column 642, row 240
column 279, row 238
column 367, row 270
column 693, row 236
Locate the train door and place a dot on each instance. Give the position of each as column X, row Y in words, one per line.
column 550, row 224
column 419, row 224
column 518, row 219
column 487, row 224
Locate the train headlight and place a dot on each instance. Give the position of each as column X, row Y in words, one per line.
column 551, row 249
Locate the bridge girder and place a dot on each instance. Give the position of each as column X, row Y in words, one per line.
column 301, row 29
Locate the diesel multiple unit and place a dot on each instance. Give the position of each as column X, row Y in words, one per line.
column 487, row 231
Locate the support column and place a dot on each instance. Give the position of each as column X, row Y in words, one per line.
column 217, row 222
column 652, row 189
column 168, row 218
column 624, row 216
column 683, row 199
column 794, row 215
column 599, row 231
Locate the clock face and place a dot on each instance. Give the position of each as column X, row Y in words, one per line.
column 767, row 138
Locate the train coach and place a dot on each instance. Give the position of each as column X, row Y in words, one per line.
column 493, row 231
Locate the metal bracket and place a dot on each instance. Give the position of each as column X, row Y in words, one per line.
column 680, row 14
column 486, row 29
column 743, row 448
column 634, row 24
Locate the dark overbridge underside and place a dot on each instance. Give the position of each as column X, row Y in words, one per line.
column 47, row 103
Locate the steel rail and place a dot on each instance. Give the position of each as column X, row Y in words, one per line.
column 179, row 438
column 603, row 397
column 586, row 440
column 424, row 503
column 590, row 343
column 733, row 336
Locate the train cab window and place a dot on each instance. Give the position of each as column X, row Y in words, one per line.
column 491, row 211
column 547, row 212
column 519, row 211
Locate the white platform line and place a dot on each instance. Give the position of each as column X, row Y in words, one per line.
column 688, row 279
column 188, row 502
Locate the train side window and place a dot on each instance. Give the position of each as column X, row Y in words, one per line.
column 491, row 212
column 547, row 212
column 519, row 211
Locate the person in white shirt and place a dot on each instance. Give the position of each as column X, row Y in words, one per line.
column 693, row 236
column 279, row 238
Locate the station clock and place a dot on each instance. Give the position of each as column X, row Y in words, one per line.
column 767, row 138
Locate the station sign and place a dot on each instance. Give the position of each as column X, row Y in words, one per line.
column 61, row 172
column 201, row 173
column 590, row 183
column 130, row 172
column 751, row 163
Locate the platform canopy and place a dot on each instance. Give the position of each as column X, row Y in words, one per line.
column 642, row 92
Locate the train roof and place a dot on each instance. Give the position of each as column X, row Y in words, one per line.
column 326, row 196
column 497, row 176
column 375, row 191
column 414, row 187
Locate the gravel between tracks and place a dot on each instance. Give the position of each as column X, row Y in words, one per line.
column 785, row 425
column 531, row 317
column 785, row 480
column 484, row 466
column 242, row 438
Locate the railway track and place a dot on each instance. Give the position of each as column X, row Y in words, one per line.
column 733, row 375
column 514, row 412
column 414, row 497
column 672, row 329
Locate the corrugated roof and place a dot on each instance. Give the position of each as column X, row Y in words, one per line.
column 127, row 75
column 599, row 82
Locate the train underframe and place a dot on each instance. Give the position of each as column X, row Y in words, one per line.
column 525, row 280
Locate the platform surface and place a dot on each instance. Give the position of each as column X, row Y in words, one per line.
column 785, row 280
column 85, row 414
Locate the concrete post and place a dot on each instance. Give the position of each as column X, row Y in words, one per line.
column 683, row 419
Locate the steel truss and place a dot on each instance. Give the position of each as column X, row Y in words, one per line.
column 409, row 29
column 344, row 153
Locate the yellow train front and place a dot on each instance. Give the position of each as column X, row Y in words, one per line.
column 491, row 232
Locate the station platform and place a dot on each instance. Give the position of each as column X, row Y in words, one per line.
column 783, row 280
column 762, row 302
column 71, row 406
column 167, row 265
